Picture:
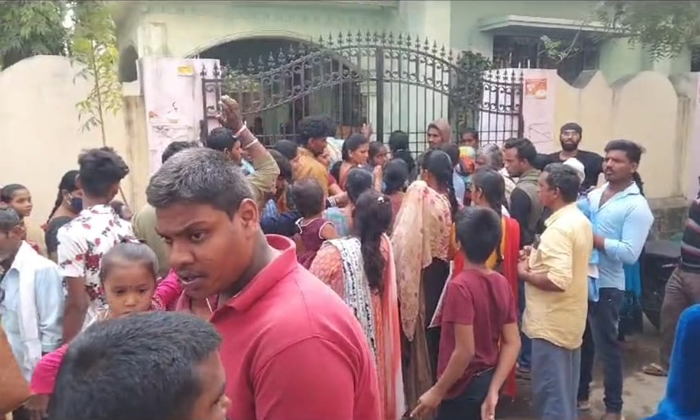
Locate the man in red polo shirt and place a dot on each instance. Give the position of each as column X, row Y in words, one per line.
column 291, row 348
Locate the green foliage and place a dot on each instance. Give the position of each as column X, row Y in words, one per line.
column 664, row 27
column 29, row 28
column 469, row 87
column 94, row 45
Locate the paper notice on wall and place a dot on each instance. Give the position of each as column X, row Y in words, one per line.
column 538, row 108
column 536, row 88
column 172, row 91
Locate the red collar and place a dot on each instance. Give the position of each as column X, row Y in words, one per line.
column 277, row 270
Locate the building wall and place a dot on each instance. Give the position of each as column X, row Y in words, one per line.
column 184, row 28
column 42, row 134
column 643, row 108
column 464, row 24
column 180, row 29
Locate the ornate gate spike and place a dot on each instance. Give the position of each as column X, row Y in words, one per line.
column 349, row 39
column 251, row 66
column 368, row 37
column 204, row 73
column 282, row 58
column 329, row 42
column 442, row 52
column 291, row 52
column 418, row 44
column 340, row 39
column 320, row 41
column 358, row 37
column 399, row 40
column 217, row 71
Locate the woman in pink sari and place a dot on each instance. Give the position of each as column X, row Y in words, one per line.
column 360, row 268
column 421, row 241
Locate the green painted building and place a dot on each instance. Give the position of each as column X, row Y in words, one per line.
column 278, row 66
column 507, row 31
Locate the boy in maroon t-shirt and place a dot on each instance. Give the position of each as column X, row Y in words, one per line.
column 480, row 341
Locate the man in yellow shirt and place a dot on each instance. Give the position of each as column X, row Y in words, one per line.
column 312, row 133
column 556, row 293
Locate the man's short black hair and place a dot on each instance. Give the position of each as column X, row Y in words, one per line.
column 314, row 127
column 287, row 148
column 471, row 131
column 221, row 139
column 452, row 150
column 199, row 176
column 174, row 147
column 283, row 164
column 9, row 218
column 478, row 231
column 308, row 197
column 526, row 150
column 565, row 178
column 138, row 367
column 100, row 170
column 572, row 126
column 632, row 150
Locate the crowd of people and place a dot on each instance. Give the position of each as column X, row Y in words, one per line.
column 319, row 280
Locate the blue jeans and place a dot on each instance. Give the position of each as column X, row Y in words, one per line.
column 587, row 358
column 604, row 318
column 525, row 356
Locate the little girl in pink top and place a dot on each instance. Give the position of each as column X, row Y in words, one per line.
column 128, row 277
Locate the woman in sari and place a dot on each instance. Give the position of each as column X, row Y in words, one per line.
column 355, row 154
column 421, row 239
column 488, row 190
column 360, row 269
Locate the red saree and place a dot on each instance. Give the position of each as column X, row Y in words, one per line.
column 510, row 250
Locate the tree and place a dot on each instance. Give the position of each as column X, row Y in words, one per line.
column 94, row 45
column 29, row 28
column 665, row 28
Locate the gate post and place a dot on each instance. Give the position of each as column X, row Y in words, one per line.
column 379, row 66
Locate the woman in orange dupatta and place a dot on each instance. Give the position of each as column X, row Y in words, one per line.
column 360, row 269
column 488, row 190
column 421, row 241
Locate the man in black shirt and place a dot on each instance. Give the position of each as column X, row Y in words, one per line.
column 569, row 137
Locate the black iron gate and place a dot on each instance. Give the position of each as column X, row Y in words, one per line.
column 393, row 83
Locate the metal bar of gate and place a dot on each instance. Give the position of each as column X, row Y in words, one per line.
column 380, row 93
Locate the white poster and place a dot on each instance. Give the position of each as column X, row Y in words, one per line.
column 172, row 91
column 538, row 108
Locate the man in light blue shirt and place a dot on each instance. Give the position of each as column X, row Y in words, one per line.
column 622, row 223
column 31, row 295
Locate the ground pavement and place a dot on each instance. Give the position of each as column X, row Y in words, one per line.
column 641, row 393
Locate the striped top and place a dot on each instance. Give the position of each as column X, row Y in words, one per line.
column 690, row 246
